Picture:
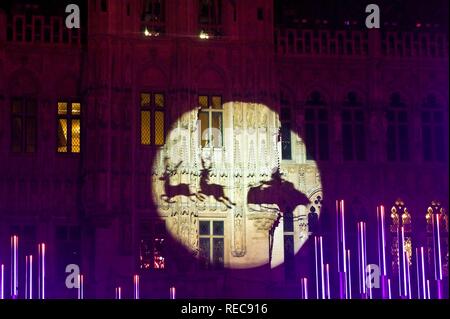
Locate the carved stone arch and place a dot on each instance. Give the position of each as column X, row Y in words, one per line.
column 432, row 94
column 24, row 82
column 211, row 77
column 310, row 90
column 153, row 75
column 67, row 86
column 360, row 94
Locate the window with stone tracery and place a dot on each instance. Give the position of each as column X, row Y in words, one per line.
column 397, row 145
column 210, row 17
column 433, row 131
column 353, row 129
column 316, row 128
column 211, row 244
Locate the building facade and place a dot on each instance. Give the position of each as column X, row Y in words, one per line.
column 130, row 145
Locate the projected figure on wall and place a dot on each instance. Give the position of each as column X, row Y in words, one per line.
column 170, row 191
column 276, row 191
column 214, row 190
column 247, row 205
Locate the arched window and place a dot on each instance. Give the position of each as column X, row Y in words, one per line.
column 317, row 128
column 210, row 16
column 433, row 132
column 23, row 124
column 397, row 146
column 153, row 17
column 353, row 129
column 286, row 127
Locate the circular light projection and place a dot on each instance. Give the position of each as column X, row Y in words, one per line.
column 234, row 186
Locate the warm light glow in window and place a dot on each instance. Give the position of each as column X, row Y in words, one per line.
column 145, row 127
column 69, row 127
column 152, row 119
column 76, row 108
column 62, row 136
column 203, row 35
column 76, row 136
column 62, row 108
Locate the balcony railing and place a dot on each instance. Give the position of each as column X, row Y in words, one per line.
column 41, row 29
column 291, row 42
column 309, row 42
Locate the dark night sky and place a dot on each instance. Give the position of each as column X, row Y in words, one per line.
column 405, row 13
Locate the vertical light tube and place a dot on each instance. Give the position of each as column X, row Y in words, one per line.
column 408, row 275
column 437, row 255
column 421, row 277
column 2, row 281
column 80, row 286
column 29, row 277
column 320, row 282
column 14, row 267
column 341, row 250
column 41, row 270
column 428, row 289
column 327, row 281
column 382, row 249
column 136, row 286
column 119, row 293
column 26, row 277
column 362, row 261
column 403, row 261
column 304, row 288
column 349, row 276
column 389, row 289
column 172, row 293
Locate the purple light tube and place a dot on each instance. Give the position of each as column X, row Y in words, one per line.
column 403, row 268
column 304, row 288
column 408, row 275
column 341, row 250
column 172, row 293
column 428, row 289
column 421, row 277
column 41, row 270
column 349, row 276
column 327, row 281
column 362, row 261
column 80, row 286
column 437, row 255
column 136, row 286
column 14, row 267
column 2, row 281
column 389, row 289
column 29, row 277
column 382, row 249
column 320, row 282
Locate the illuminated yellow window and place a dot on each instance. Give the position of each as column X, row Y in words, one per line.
column 211, row 120
column 62, row 136
column 152, row 119
column 69, row 127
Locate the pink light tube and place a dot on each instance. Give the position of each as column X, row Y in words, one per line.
column 136, row 286
column 341, row 249
column 14, row 267
column 349, row 276
column 80, row 286
column 41, row 270
column 304, row 287
column 2, row 281
column 29, row 277
column 119, row 293
column 320, row 280
column 172, row 293
column 327, row 280
column 362, row 259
